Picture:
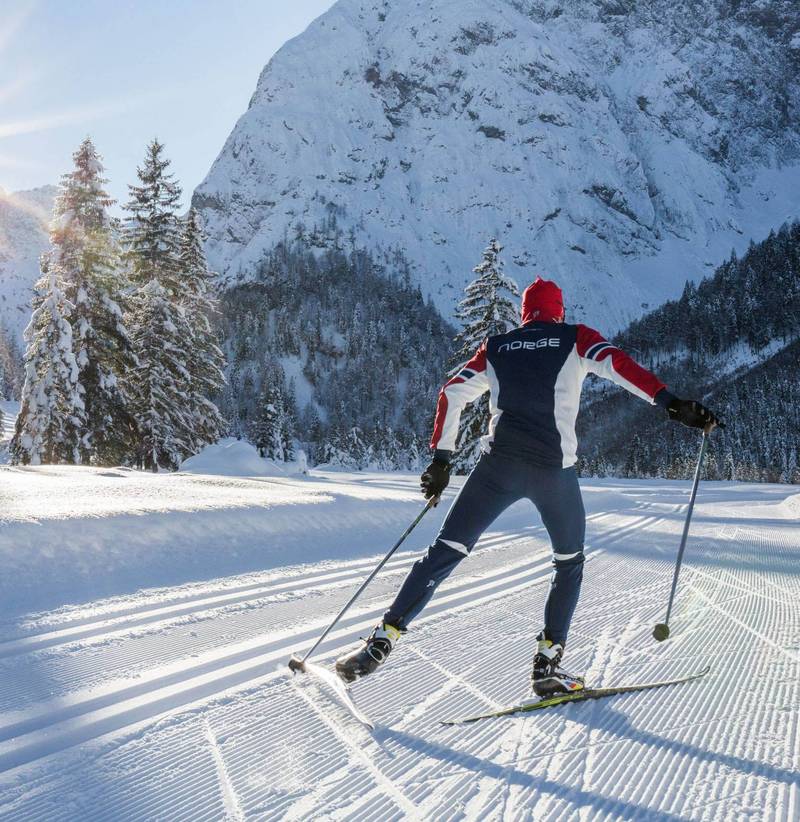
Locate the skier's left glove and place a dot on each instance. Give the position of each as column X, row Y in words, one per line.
column 692, row 414
column 435, row 478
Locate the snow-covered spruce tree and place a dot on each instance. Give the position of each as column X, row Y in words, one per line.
column 6, row 368
column 11, row 372
column 4, row 354
column 159, row 402
column 204, row 359
column 160, row 385
column 272, row 428
column 51, row 417
column 275, row 418
column 88, row 261
column 487, row 309
column 154, row 231
column 266, row 426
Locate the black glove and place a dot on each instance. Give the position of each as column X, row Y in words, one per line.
column 435, row 478
column 692, row 414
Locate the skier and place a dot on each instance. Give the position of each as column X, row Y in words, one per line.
column 534, row 374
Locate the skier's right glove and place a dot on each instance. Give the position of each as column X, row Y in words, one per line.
column 435, row 478
column 692, row 414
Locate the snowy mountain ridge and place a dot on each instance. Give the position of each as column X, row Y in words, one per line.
column 618, row 147
column 24, row 236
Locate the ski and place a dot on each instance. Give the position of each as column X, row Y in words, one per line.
column 339, row 690
column 576, row 696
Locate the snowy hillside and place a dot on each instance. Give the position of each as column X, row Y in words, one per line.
column 147, row 620
column 732, row 340
column 621, row 147
column 24, row 220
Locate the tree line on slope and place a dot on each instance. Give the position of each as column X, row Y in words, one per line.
column 732, row 340
column 121, row 360
column 334, row 350
column 339, row 353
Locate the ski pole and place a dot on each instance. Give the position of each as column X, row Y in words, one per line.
column 298, row 664
column 661, row 630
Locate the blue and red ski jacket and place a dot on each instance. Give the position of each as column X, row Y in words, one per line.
column 534, row 375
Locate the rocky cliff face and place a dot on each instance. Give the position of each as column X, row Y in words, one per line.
column 24, row 219
column 618, row 146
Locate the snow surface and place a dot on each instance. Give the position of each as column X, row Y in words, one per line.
column 610, row 148
column 234, row 458
column 147, row 619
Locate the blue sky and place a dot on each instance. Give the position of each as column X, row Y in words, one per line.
column 124, row 71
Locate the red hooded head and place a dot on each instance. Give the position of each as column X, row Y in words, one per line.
column 543, row 301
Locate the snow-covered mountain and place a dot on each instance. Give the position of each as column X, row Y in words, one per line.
column 619, row 146
column 24, row 219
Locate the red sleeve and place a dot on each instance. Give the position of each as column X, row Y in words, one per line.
column 465, row 386
column 606, row 360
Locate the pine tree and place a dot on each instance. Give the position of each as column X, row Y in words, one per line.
column 5, row 380
column 161, row 384
column 486, row 310
column 275, row 420
column 51, row 417
column 267, row 429
column 11, row 374
column 88, row 260
column 153, row 233
column 3, row 353
column 311, row 431
column 204, row 359
column 289, row 425
column 160, row 377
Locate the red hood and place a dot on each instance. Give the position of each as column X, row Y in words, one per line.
column 543, row 301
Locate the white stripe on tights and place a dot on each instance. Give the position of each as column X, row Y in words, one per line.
column 565, row 556
column 456, row 545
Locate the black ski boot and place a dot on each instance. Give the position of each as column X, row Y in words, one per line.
column 547, row 678
column 365, row 660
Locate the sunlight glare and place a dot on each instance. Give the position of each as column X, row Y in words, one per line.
column 39, row 213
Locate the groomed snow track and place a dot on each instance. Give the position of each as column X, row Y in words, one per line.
column 177, row 704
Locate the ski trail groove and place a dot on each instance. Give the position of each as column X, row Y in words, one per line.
column 402, row 801
column 520, row 572
column 42, row 733
column 231, row 801
column 111, row 625
column 765, row 639
column 713, row 751
column 155, row 601
column 455, row 678
column 120, row 620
